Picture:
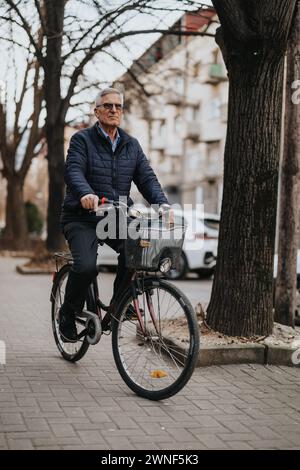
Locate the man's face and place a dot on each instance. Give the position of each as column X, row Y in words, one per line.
column 109, row 110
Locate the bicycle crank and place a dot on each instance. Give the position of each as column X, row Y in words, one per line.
column 92, row 326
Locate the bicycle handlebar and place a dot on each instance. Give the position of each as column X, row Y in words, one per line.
column 103, row 201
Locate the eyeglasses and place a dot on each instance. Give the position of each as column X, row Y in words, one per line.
column 110, row 106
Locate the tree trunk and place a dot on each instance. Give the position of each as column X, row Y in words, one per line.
column 16, row 231
column 55, row 139
column 286, row 283
column 55, row 120
column 242, row 294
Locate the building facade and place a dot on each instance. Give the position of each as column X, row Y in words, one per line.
column 176, row 99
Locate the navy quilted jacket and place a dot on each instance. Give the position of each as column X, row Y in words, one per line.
column 92, row 167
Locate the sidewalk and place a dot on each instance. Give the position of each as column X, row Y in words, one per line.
column 46, row 402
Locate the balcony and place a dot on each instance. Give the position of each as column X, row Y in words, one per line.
column 214, row 74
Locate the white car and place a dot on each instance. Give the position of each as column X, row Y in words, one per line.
column 199, row 248
column 276, row 264
column 297, row 313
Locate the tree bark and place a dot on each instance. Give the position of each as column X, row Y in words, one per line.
column 55, row 120
column 253, row 38
column 55, row 139
column 16, row 230
column 286, row 282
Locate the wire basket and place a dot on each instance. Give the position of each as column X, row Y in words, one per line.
column 152, row 244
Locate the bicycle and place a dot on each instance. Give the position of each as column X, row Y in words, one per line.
column 154, row 329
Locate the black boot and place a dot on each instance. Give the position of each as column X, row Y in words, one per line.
column 67, row 327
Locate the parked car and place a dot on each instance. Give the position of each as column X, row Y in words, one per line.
column 199, row 248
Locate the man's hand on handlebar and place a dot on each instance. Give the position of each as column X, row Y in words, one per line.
column 90, row 201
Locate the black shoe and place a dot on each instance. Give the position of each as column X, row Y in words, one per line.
column 67, row 328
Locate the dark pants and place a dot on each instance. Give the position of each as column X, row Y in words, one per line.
column 83, row 244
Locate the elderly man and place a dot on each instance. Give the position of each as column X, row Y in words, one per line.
column 102, row 161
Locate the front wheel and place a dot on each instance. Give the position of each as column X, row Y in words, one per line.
column 156, row 357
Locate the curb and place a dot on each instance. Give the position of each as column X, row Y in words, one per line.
column 231, row 354
column 283, row 356
column 16, row 254
column 249, row 354
column 25, row 270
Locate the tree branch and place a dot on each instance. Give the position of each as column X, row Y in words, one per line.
column 26, row 28
column 19, row 106
column 114, row 14
column 3, row 141
column 35, row 133
column 13, row 41
column 41, row 17
column 130, row 73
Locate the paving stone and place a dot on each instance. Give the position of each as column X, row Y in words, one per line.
column 48, row 403
column 20, row 444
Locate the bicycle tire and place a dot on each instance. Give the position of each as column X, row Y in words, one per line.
column 193, row 350
column 63, row 348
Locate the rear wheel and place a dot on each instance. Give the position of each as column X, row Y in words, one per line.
column 158, row 362
column 70, row 351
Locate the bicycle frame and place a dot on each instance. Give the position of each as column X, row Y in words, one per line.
column 131, row 280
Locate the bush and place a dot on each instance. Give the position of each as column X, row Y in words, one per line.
column 34, row 218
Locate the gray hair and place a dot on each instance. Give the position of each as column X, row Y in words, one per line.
column 108, row 91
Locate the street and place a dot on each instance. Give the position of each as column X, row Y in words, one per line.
column 48, row 403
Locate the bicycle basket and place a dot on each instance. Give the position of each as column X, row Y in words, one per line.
column 152, row 243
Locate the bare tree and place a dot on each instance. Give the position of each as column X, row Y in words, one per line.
column 18, row 146
column 72, row 42
column 289, row 222
column 253, row 39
